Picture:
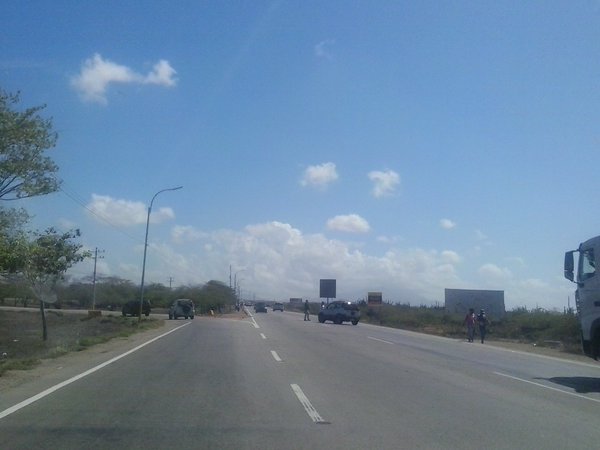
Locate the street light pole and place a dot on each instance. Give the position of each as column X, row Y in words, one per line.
column 146, row 246
column 239, row 290
column 235, row 283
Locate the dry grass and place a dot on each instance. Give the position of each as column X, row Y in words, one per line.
column 22, row 347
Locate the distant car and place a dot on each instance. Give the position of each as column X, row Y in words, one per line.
column 277, row 306
column 340, row 311
column 182, row 307
column 132, row 308
column 260, row 307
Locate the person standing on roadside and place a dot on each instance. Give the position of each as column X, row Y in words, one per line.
column 470, row 323
column 306, row 311
column 483, row 322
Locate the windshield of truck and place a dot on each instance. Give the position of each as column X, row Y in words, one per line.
column 587, row 264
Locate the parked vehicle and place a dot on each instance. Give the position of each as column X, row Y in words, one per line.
column 339, row 312
column 587, row 294
column 277, row 306
column 182, row 307
column 132, row 308
column 260, row 307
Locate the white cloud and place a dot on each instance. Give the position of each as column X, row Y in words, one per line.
column 493, row 273
column 516, row 261
column 125, row 212
column 97, row 74
column 390, row 240
column 280, row 262
column 447, row 224
column 450, row 257
column 480, row 236
column 182, row 234
column 351, row 223
column 319, row 176
column 322, row 49
column 384, row 183
column 162, row 74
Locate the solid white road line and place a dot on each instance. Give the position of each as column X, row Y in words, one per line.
column 275, row 356
column 380, row 340
column 548, row 387
column 54, row 388
column 309, row 408
column 262, row 335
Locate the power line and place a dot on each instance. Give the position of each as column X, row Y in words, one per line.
column 81, row 202
column 72, row 195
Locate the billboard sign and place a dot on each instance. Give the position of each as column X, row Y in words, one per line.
column 327, row 289
column 460, row 300
column 374, row 298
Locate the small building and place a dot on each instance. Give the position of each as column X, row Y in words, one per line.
column 458, row 301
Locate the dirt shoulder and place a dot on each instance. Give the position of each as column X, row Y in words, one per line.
column 543, row 351
column 50, row 371
column 68, row 364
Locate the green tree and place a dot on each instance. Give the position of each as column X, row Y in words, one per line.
column 215, row 294
column 13, row 239
column 25, row 170
column 50, row 255
column 158, row 295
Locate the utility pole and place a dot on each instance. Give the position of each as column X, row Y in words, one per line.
column 94, row 278
column 170, row 282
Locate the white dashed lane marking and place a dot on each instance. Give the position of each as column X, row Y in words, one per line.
column 308, row 407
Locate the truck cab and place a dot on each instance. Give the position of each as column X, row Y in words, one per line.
column 587, row 294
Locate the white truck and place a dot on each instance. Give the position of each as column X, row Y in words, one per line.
column 587, row 294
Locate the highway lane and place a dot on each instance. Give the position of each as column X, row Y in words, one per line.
column 275, row 381
column 430, row 392
column 209, row 384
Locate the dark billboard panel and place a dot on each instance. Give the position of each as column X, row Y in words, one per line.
column 327, row 289
column 374, row 298
column 460, row 300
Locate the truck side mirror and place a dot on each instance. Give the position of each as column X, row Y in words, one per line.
column 569, row 266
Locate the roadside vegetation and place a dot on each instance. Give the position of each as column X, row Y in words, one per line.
column 21, row 340
column 113, row 292
column 22, row 347
column 536, row 327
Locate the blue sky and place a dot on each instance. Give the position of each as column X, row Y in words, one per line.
column 402, row 147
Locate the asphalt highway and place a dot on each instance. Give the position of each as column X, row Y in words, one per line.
column 274, row 381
